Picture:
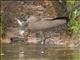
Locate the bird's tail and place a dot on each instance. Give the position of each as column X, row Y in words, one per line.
column 60, row 18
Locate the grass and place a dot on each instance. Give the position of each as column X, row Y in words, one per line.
column 2, row 25
column 74, row 12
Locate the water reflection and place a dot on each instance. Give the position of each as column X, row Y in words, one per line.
column 33, row 52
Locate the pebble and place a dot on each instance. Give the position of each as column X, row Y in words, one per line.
column 42, row 52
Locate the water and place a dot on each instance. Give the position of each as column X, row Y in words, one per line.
column 21, row 51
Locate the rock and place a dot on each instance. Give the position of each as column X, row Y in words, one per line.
column 6, row 40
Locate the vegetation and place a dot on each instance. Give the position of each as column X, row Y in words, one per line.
column 2, row 25
column 74, row 15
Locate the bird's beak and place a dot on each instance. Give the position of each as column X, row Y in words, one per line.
column 20, row 23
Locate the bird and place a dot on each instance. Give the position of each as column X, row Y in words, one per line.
column 36, row 23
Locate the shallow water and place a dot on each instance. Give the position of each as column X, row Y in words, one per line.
column 21, row 51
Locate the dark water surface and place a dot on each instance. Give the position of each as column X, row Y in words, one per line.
column 21, row 51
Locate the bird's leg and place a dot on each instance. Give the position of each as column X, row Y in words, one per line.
column 41, row 36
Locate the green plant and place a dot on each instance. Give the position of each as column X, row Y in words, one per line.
column 74, row 12
column 2, row 25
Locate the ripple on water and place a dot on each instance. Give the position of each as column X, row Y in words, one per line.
column 33, row 52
